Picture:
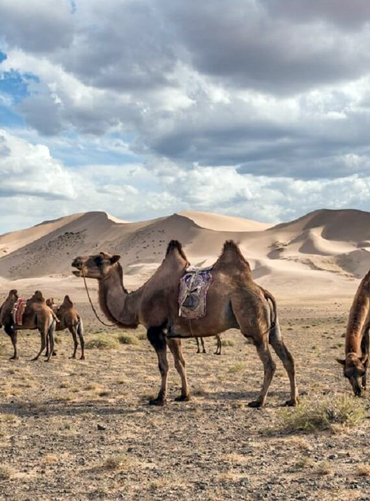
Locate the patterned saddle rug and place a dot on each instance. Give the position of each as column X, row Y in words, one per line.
column 18, row 310
column 194, row 286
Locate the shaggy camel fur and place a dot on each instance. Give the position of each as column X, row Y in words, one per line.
column 37, row 315
column 357, row 338
column 201, row 340
column 234, row 301
column 69, row 318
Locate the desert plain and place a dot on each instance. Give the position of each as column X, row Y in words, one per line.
column 83, row 430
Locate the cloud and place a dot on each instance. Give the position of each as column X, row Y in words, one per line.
column 29, row 170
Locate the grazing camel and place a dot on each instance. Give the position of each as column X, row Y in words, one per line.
column 234, row 301
column 37, row 315
column 218, row 348
column 69, row 318
column 357, row 338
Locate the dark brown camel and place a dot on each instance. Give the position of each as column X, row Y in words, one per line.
column 201, row 341
column 37, row 315
column 234, row 301
column 69, row 318
column 357, row 339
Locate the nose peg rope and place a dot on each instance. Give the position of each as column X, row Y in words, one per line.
column 91, row 303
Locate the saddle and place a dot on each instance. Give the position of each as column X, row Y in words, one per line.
column 18, row 310
column 193, row 291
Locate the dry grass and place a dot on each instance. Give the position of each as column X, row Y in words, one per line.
column 323, row 468
column 234, row 369
column 5, row 472
column 128, row 339
column 363, row 470
column 101, row 342
column 311, row 415
column 118, row 462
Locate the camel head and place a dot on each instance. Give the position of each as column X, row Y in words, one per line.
column 67, row 302
column 50, row 302
column 354, row 369
column 97, row 266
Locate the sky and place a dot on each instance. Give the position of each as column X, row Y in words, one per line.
column 143, row 108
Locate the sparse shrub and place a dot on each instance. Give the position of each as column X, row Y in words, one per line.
column 363, row 470
column 128, row 339
column 310, row 415
column 57, row 339
column 233, row 369
column 227, row 342
column 117, row 461
column 323, row 468
column 142, row 336
column 102, row 342
column 5, row 472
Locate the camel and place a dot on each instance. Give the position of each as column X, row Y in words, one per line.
column 69, row 318
column 218, row 348
column 234, row 301
column 357, row 339
column 37, row 315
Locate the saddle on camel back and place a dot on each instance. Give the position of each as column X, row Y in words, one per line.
column 193, row 291
column 18, row 310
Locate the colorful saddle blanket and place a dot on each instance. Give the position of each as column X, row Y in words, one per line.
column 194, row 286
column 18, row 310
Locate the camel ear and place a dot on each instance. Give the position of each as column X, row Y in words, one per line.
column 115, row 258
column 364, row 359
column 341, row 362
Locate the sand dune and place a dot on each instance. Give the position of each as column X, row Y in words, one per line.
column 324, row 250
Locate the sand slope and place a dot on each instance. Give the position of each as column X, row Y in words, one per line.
column 325, row 250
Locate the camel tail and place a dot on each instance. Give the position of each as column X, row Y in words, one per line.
column 80, row 327
column 275, row 333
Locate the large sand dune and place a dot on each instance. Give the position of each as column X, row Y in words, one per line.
column 326, row 251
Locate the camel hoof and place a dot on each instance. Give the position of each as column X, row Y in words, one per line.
column 34, row 359
column 47, row 360
column 73, row 357
column 159, row 402
column 291, row 403
column 82, row 358
column 183, row 398
column 14, row 358
column 255, row 404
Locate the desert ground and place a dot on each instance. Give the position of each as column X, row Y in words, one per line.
column 83, row 430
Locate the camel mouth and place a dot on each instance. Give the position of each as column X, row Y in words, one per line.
column 77, row 273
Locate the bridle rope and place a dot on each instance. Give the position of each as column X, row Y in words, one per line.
column 91, row 303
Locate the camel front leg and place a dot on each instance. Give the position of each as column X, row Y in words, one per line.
column 158, row 341
column 176, row 350
column 13, row 334
column 219, row 345
column 269, row 368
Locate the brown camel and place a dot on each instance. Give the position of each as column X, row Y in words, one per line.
column 37, row 315
column 357, row 338
column 234, row 301
column 69, row 318
column 201, row 340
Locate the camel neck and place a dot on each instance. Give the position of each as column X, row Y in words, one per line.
column 117, row 304
column 357, row 323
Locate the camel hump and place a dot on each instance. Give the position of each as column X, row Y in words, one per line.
column 231, row 254
column 175, row 245
column 67, row 301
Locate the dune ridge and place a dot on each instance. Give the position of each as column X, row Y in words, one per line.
column 328, row 250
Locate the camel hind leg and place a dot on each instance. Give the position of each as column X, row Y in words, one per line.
column 80, row 330
column 285, row 356
column 269, row 368
column 219, row 345
column 73, row 331
column 43, row 345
